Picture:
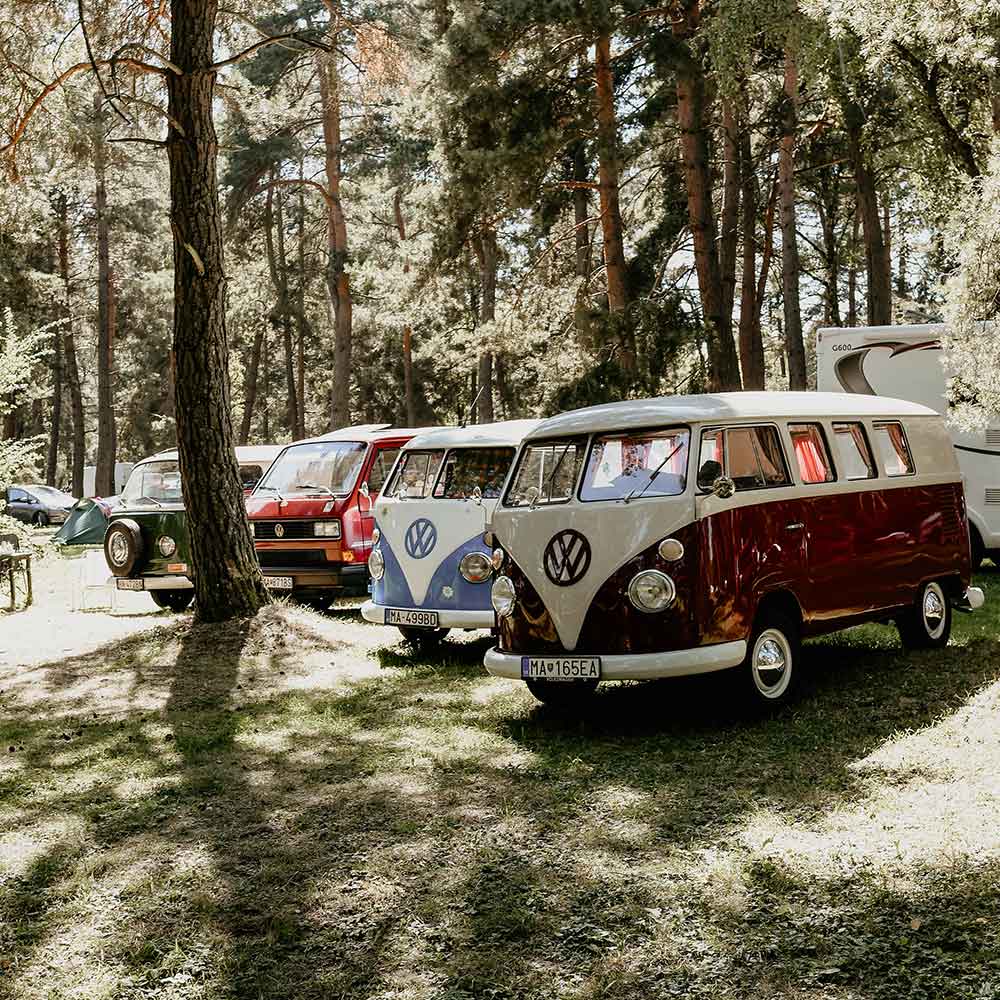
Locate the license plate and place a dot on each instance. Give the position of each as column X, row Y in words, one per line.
column 129, row 584
column 560, row 668
column 401, row 616
column 279, row 582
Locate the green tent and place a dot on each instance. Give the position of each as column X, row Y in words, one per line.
column 87, row 522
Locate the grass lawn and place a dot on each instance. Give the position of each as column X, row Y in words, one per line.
column 287, row 808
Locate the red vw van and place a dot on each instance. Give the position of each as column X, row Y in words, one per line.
column 312, row 526
column 690, row 534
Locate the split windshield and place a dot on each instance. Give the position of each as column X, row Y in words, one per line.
column 154, row 482
column 451, row 475
column 318, row 467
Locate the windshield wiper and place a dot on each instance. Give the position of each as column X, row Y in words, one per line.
column 270, row 489
column 653, row 474
column 150, row 499
column 313, row 486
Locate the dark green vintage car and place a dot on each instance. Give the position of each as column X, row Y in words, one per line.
column 146, row 543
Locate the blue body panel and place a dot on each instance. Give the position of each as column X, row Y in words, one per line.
column 392, row 590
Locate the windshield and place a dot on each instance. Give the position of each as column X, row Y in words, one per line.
column 546, row 473
column 154, row 481
column 645, row 463
column 51, row 495
column 317, row 467
column 467, row 468
column 415, row 474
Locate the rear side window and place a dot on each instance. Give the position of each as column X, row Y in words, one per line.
column 853, row 453
column 415, row 474
column 893, row 449
column 751, row 456
column 811, row 453
column 546, row 473
column 383, row 462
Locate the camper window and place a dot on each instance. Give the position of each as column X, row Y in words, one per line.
column 890, row 439
column 855, row 456
column 811, row 453
column 751, row 456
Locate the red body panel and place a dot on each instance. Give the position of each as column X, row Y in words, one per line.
column 845, row 556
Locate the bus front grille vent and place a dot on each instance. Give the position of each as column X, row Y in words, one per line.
column 993, row 494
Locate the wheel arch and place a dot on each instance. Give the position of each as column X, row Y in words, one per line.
column 781, row 600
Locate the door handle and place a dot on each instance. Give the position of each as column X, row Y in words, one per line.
column 794, row 526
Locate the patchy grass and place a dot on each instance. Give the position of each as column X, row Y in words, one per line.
column 290, row 808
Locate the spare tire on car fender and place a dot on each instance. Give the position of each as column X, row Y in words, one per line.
column 123, row 546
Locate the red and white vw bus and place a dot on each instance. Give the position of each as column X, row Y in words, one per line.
column 689, row 534
column 311, row 521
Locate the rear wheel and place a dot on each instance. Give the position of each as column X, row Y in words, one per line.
column 770, row 671
column 563, row 694
column 423, row 638
column 318, row 602
column 172, row 600
column 927, row 625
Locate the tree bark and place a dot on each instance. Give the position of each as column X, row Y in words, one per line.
column 729, row 242
column 486, row 252
column 751, row 341
column 337, row 278
column 852, row 273
column 581, row 211
column 612, row 227
column 281, row 317
column 828, row 209
column 72, row 370
column 724, row 371
column 250, row 385
column 227, row 576
column 106, row 435
column 409, row 397
column 301, row 323
column 790, row 267
column 52, row 458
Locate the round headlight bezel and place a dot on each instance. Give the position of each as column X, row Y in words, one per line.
column 661, row 579
column 670, row 549
column 503, row 596
column 475, row 567
column 376, row 535
column 496, row 559
column 166, row 545
column 376, row 564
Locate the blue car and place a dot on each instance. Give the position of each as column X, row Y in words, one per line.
column 430, row 564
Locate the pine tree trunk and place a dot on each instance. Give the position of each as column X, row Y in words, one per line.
column 227, row 576
column 828, row 208
column 486, row 252
column 612, row 227
column 852, row 273
column 790, row 267
column 724, row 370
column 581, row 211
column 281, row 314
column 105, row 473
column 729, row 242
column 300, row 331
column 751, row 342
column 408, row 392
column 52, row 458
column 338, row 281
column 72, row 370
column 250, row 385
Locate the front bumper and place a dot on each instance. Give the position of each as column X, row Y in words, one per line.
column 639, row 666
column 347, row 578
column 153, row 583
column 453, row 618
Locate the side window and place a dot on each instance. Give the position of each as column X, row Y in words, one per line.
column 853, row 453
column 893, row 450
column 384, row 459
column 751, row 456
column 17, row 496
column 811, row 453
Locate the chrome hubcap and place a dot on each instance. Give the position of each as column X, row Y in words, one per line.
column 119, row 549
column 934, row 610
column 771, row 663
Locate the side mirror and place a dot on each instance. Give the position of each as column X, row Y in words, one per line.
column 477, row 496
column 364, row 492
column 723, row 487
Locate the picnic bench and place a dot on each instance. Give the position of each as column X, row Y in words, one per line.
column 15, row 562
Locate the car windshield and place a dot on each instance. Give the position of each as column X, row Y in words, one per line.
column 50, row 495
column 317, row 467
column 467, row 468
column 641, row 463
column 546, row 473
column 157, row 482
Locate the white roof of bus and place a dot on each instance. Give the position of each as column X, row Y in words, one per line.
column 365, row 433
column 244, row 453
column 723, row 406
column 509, row 432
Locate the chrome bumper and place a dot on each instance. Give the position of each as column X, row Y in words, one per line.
column 375, row 613
column 639, row 666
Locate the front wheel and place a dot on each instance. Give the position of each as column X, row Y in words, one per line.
column 172, row 600
column 423, row 638
column 562, row 694
column 770, row 670
column 41, row 520
column 927, row 624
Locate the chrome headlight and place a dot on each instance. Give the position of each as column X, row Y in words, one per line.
column 475, row 567
column 497, row 559
column 326, row 529
column 376, row 564
column 503, row 597
column 166, row 545
column 651, row 590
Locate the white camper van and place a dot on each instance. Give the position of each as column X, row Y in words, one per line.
column 905, row 362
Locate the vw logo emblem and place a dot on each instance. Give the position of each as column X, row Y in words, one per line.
column 421, row 537
column 279, row 531
column 567, row 558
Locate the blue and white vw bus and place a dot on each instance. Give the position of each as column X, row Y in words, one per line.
column 430, row 563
